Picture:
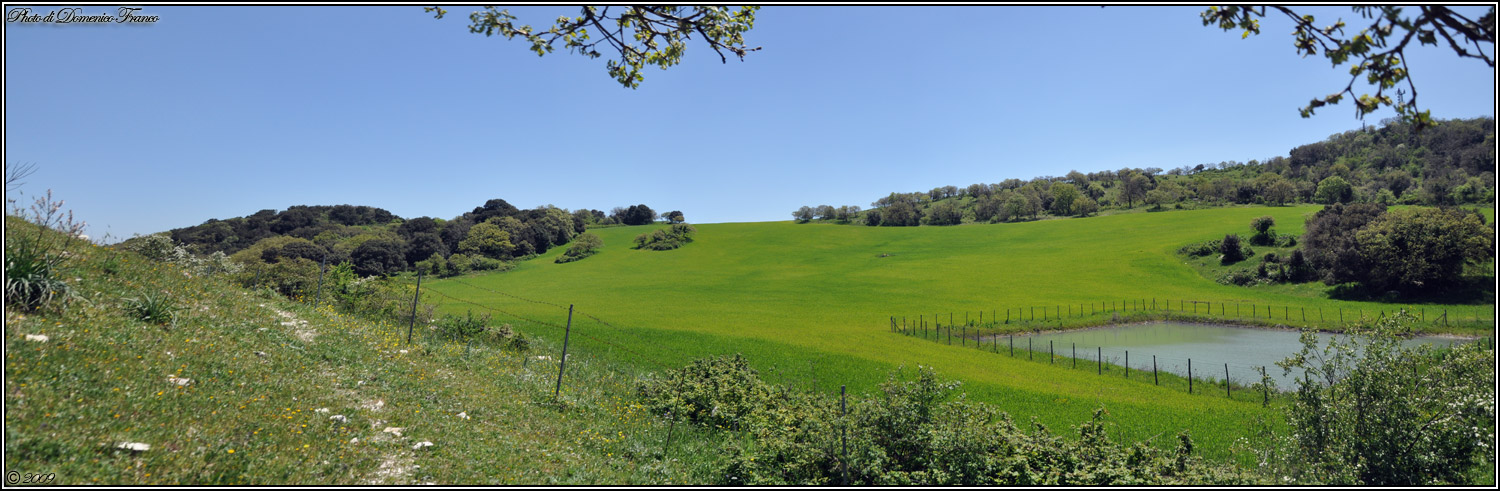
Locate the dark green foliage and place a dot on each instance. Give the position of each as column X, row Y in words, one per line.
column 901, row 214
column 916, row 432
column 424, row 245
column 1230, row 250
column 1201, row 248
column 873, row 217
column 462, row 328
column 1421, row 248
column 378, row 257
column 1330, row 241
column 713, row 392
column 637, row 215
column 944, row 213
column 1262, row 227
column 302, row 248
column 585, row 245
column 1334, row 189
column 667, row 238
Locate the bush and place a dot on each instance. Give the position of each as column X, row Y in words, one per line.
column 1242, row 277
column 1200, row 249
column 713, row 392
column 462, row 328
column 917, row 432
column 666, row 239
column 1368, row 411
column 1230, row 251
column 585, row 245
column 1263, row 234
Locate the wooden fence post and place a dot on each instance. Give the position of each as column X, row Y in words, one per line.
column 1127, row 358
column 1051, row 353
column 1190, row 375
column 1012, row 345
column 1154, row 376
column 1075, row 355
column 414, row 298
column 1226, row 380
column 1099, row 354
column 561, row 365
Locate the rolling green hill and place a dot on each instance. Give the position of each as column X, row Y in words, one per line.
column 809, row 303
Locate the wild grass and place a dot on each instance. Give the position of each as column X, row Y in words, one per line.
column 245, row 387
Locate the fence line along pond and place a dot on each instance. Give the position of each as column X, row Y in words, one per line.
column 1209, row 347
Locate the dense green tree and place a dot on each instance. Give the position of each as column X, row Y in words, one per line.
column 902, row 214
column 1133, row 187
column 944, row 213
column 424, row 245
column 1229, row 249
column 1334, row 189
column 804, row 214
column 1063, row 196
column 379, row 256
column 1330, row 240
column 1085, row 206
column 488, row 240
column 1421, row 248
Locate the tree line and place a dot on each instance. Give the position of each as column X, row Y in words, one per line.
column 377, row 242
column 1450, row 163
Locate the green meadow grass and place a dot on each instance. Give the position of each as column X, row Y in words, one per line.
column 810, row 304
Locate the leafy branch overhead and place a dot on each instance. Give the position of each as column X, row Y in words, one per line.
column 642, row 35
column 1379, row 49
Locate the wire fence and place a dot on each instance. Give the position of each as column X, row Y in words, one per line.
column 1059, row 316
column 1037, row 329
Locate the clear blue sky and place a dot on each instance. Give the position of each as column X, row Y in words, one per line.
column 216, row 112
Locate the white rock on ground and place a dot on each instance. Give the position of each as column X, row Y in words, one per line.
column 181, row 382
column 133, row 446
column 420, row 445
column 339, row 417
column 463, row 415
column 393, row 430
column 41, row 338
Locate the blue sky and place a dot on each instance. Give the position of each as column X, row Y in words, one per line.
column 216, row 112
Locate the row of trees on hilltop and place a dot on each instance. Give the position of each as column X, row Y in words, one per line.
column 1451, row 163
column 377, row 242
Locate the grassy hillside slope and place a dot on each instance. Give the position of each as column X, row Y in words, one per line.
column 809, row 303
column 250, row 388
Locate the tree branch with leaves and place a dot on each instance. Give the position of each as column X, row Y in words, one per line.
column 642, row 35
column 1378, row 50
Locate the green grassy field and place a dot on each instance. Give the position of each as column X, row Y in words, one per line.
column 809, row 304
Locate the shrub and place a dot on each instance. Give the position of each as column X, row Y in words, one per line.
column 1263, row 234
column 462, row 328
column 666, row 239
column 585, row 245
column 1230, row 251
column 1200, row 249
column 714, row 392
column 1368, row 411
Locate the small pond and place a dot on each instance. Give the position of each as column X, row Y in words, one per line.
column 1246, row 350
